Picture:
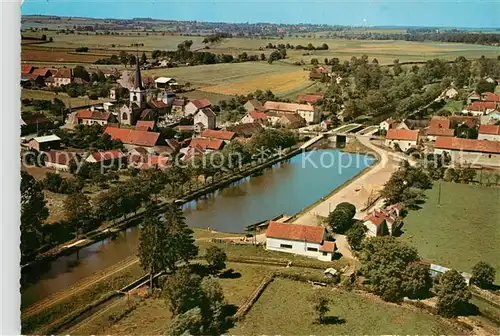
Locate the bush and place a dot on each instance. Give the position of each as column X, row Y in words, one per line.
column 82, row 49
column 483, row 275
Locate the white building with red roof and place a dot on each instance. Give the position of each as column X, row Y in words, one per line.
column 306, row 111
column 87, row 117
column 206, row 117
column 133, row 138
column 59, row 160
column 403, row 138
column 194, row 106
column 473, row 152
column 306, row 240
column 479, row 108
column 381, row 222
column 106, row 156
column 489, row 132
column 254, row 116
column 386, row 124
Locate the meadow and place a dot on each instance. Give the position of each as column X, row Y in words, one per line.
column 461, row 230
column 284, row 309
column 68, row 101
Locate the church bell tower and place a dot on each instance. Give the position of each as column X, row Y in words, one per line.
column 138, row 93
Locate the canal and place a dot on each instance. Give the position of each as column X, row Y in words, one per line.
column 286, row 188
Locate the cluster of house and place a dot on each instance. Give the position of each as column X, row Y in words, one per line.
column 449, row 135
column 32, row 76
column 482, row 104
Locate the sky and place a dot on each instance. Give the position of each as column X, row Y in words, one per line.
column 437, row 13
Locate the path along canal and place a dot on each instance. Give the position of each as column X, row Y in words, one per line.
column 287, row 187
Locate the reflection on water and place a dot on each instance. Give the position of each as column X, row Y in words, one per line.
column 287, row 188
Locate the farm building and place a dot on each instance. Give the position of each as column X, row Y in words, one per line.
column 87, row 117
column 254, row 116
column 308, row 98
column 194, row 106
column 469, row 151
column 386, row 124
column 45, row 143
column 306, row 111
column 133, row 137
column 59, row 160
column 221, row 135
column 253, row 105
column 306, row 240
column 380, row 222
column 109, row 156
column 402, row 138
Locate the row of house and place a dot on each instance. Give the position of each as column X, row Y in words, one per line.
column 482, row 104
column 38, row 77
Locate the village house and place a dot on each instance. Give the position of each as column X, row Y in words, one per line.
column 45, row 143
column 472, row 97
column 145, row 125
column 308, row 98
column 439, row 126
column 450, row 93
column 205, row 117
column 253, row 105
column 221, row 135
column 489, row 132
column 318, row 73
column 194, row 106
column 306, row 240
column 487, row 96
column 386, row 124
column 479, row 108
column 114, row 157
column 206, row 144
column 87, row 117
column 292, row 120
column 159, row 105
column 59, row 160
column 306, row 111
column 165, row 82
column 246, row 130
column 63, row 76
column 491, row 118
column 414, row 124
column 27, row 69
column 380, row 222
column 178, row 106
column 32, row 80
column 402, row 138
column 273, row 118
column 469, row 151
column 254, row 116
column 132, row 138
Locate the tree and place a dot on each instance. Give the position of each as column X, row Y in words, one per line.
column 416, row 280
column 483, row 275
column 452, row 293
column 33, row 212
column 314, row 61
column 355, row 235
column 182, row 291
column 396, row 67
column 132, row 60
column 216, row 258
column 80, row 72
column 123, row 57
column 340, row 219
column 212, row 307
column 485, row 86
column 77, row 211
column 383, row 261
column 319, row 307
column 188, row 323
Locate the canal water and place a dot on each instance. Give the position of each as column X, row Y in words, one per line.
column 287, row 188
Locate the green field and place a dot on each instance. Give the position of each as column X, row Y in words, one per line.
column 461, row 231
column 48, row 95
column 454, row 106
column 283, row 309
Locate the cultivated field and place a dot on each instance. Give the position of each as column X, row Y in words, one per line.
column 278, row 83
column 283, row 309
column 462, row 230
column 69, row 101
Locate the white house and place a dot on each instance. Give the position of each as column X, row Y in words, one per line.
column 469, row 151
column 404, row 138
column 194, row 106
column 451, row 93
column 164, row 82
column 306, row 111
column 306, row 240
column 63, row 76
column 380, row 222
column 489, row 132
column 254, row 116
column 491, row 118
column 386, row 124
column 206, row 117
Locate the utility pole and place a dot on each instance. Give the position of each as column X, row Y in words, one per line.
column 439, row 194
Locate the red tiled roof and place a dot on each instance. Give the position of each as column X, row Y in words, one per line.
column 439, row 122
column 294, row 118
column 402, row 134
column 472, row 145
column 222, row 135
column 204, row 143
column 256, row 115
column 481, row 106
column 59, row 157
column 159, row 104
column 441, row 131
column 307, row 233
column 309, row 98
column 201, row 103
column 148, row 161
column 489, row 129
column 491, row 97
column 41, row 72
column 376, row 217
column 133, row 137
column 143, row 124
column 63, row 73
column 328, row 246
column 108, row 155
column 185, row 128
column 26, row 68
column 247, row 129
column 287, row 107
column 96, row 115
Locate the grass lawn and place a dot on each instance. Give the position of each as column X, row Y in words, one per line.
column 48, row 95
column 284, row 309
column 454, row 106
column 463, row 230
column 214, row 98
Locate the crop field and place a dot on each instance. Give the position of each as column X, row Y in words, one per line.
column 68, row 101
column 278, row 83
column 29, row 53
column 284, row 309
column 459, row 232
column 222, row 73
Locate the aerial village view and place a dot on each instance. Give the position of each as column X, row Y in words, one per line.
column 208, row 174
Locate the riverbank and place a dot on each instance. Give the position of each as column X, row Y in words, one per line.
column 360, row 191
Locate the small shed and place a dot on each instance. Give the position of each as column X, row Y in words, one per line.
column 45, row 143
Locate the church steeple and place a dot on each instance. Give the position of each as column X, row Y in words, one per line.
column 138, row 93
column 137, row 79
